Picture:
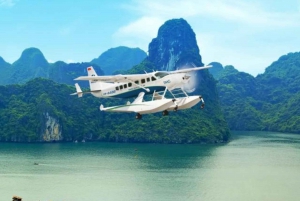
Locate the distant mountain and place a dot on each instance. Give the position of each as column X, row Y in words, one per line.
column 216, row 70
column 32, row 64
column 64, row 73
column 268, row 102
column 4, row 64
column 219, row 71
column 282, row 75
column 5, row 70
column 119, row 59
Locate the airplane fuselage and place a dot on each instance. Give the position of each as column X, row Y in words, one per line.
column 154, row 82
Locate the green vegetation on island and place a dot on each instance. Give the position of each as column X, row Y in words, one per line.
column 268, row 102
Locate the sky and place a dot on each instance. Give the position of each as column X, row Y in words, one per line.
column 249, row 35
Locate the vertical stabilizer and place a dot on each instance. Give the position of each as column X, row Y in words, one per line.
column 94, row 84
column 91, row 71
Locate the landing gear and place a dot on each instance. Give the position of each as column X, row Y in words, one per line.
column 138, row 116
column 176, row 108
column 165, row 113
column 202, row 105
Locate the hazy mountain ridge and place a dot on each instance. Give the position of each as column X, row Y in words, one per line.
column 32, row 64
column 119, row 59
column 266, row 102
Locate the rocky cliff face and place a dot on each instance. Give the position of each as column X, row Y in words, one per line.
column 175, row 42
column 52, row 129
column 176, row 47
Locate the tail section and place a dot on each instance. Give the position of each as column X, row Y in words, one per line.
column 78, row 91
column 94, row 84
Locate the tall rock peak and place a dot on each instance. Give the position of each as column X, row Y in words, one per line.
column 174, row 46
column 31, row 64
column 32, row 57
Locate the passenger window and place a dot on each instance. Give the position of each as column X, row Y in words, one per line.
column 121, row 87
column 129, row 84
column 117, row 88
column 148, row 79
column 153, row 78
column 125, row 86
column 143, row 81
column 137, row 82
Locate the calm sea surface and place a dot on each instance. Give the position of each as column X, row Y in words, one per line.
column 253, row 166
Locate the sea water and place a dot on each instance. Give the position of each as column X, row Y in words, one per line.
column 252, row 166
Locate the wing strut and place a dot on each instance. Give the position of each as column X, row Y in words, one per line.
column 146, row 89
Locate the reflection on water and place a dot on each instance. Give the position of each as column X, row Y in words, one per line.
column 253, row 166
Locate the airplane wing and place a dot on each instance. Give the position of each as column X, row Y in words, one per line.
column 189, row 69
column 114, row 78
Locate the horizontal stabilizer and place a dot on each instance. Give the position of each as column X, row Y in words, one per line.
column 78, row 91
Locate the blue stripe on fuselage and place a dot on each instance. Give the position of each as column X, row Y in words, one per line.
column 135, row 92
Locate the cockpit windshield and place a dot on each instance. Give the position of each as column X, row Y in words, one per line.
column 161, row 74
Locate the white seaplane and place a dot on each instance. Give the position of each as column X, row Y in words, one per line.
column 126, row 86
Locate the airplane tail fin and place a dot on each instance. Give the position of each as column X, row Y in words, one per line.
column 78, row 91
column 91, row 71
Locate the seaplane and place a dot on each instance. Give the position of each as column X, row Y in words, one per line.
column 138, row 85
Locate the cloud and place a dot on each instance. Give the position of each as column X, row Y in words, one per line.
column 248, row 13
column 227, row 31
column 141, row 30
column 7, row 3
column 236, row 13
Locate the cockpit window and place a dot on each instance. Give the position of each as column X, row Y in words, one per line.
column 161, row 74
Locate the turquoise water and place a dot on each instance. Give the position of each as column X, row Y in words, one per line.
column 253, row 166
